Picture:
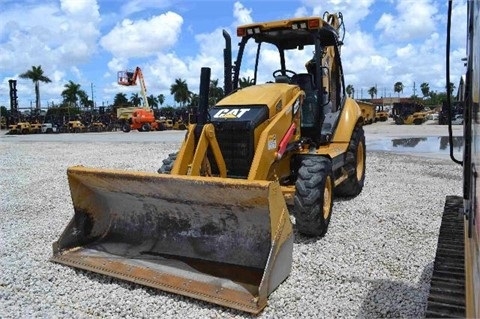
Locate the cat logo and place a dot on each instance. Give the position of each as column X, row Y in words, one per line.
column 230, row 113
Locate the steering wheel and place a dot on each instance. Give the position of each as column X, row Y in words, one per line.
column 288, row 73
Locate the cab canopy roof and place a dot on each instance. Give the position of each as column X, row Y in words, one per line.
column 291, row 33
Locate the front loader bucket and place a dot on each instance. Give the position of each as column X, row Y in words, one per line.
column 225, row 241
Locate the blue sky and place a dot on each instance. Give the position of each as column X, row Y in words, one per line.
column 88, row 41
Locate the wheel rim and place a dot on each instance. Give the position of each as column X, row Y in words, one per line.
column 360, row 160
column 327, row 198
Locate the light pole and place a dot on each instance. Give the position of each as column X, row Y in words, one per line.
column 93, row 101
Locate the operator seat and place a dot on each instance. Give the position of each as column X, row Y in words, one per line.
column 310, row 109
column 304, row 81
column 282, row 79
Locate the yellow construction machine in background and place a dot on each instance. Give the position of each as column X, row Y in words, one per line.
column 381, row 113
column 215, row 224
column 20, row 128
column 368, row 112
column 409, row 113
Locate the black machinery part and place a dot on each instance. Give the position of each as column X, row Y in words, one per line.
column 447, row 290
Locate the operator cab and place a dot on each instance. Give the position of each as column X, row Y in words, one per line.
column 283, row 43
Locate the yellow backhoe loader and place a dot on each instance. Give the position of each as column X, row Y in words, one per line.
column 369, row 112
column 215, row 223
column 409, row 113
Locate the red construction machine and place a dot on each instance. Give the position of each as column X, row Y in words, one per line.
column 136, row 118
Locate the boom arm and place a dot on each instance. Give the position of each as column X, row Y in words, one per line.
column 127, row 78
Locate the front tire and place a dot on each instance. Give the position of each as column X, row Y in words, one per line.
column 126, row 128
column 355, row 165
column 313, row 199
column 167, row 165
column 146, row 127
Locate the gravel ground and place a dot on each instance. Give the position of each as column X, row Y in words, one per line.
column 374, row 262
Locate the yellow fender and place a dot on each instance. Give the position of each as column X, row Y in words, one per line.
column 351, row 113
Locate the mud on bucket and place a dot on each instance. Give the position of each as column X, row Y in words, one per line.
column 225, row 241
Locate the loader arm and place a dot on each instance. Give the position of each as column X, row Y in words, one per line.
column 268, row 144
column 194, row 165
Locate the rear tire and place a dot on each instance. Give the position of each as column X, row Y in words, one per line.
column 167, row 165
column 313, row 199
column 145, row 127
column 125, row 128
column 355, row 165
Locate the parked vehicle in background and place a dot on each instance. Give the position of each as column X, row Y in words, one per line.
column 76, row 127
column 368, row 112
column 49, row 128
column 142, row 120
column 409, row 113
column 97, row 127
column 381, row 114
column 138, row 118
column 20, row 128
column 433, row 116
column 35, row 128
column 458, row 119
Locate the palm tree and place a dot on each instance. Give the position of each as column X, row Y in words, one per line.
column 194, row 99
column 152, row 101
column 244, row 82
column 451, row 88
column 180, row 91
column 425, row 89
column 350, row 91
column 84, row 101
column 372, row 91
column 216, row 92
column 135, row 99
column 120, row 99
column 73, row 93
column 161, row 99
column 398, row 87
column 36, row 75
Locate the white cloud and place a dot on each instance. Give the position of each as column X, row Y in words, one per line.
column 406, row 52
column 301, row 12
column 241, row 14
column 413, row 20
column 53, row 35
column 406, row 43
column 143, row 38
column 352, row 11
column 134, row 6
column 212, row 43
column 49, row 33
column 117, row 64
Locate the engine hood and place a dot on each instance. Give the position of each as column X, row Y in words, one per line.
column 269, row 94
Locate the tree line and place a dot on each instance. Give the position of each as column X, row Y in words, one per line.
column 429, row 97
column 74, row 96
